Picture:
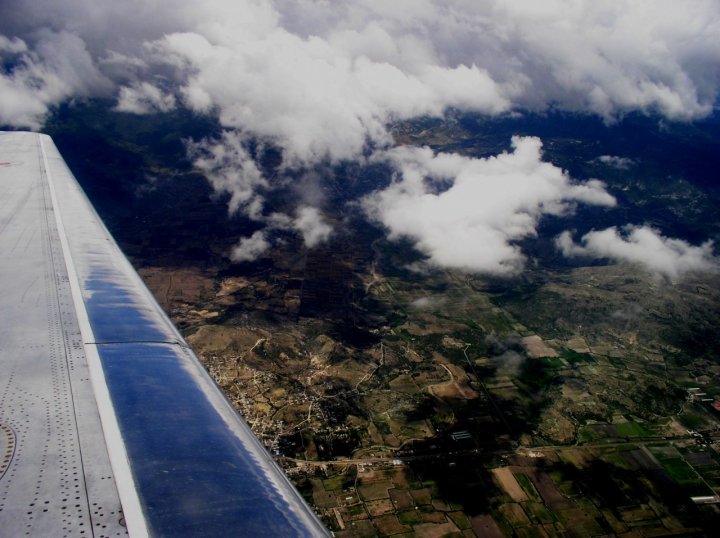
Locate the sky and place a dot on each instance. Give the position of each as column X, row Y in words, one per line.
column 322, row 80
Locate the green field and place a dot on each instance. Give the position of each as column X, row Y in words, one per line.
column 680, row 471
column 527, row 486
column 631, row 429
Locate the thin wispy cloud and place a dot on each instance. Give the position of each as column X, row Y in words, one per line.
column 616, row 162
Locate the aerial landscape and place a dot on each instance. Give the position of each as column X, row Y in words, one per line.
column 454, row 263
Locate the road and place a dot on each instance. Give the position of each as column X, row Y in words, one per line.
column 635, row 442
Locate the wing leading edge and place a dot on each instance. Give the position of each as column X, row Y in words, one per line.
column 108, row 422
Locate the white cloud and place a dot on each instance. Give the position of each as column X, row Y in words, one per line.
column 230, row 168
column 608, row 58
column 613, row 161
column 490, row 203
column 250, row 248
column 314, row 100
column 642, row 245
column 144, row 98
column 321, row 79
column 384, row 61
column 427, row 303
column 59, row 67
column 12, row 46
column 310, row 224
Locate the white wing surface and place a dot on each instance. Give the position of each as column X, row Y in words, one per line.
column 109, row 425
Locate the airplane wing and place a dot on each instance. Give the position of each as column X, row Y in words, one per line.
column 109, row 425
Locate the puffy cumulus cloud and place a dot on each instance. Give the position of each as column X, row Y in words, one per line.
column 144, row 98
column 329, row 75
column 311, row 98
column 644, row 246
column 624, row 56
column 322, row 80
column 577, row 54
column 76, row 48
column 606, row 58
column 250, row 248
column 467, row 213
column 57, row 68
column 310, row 224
